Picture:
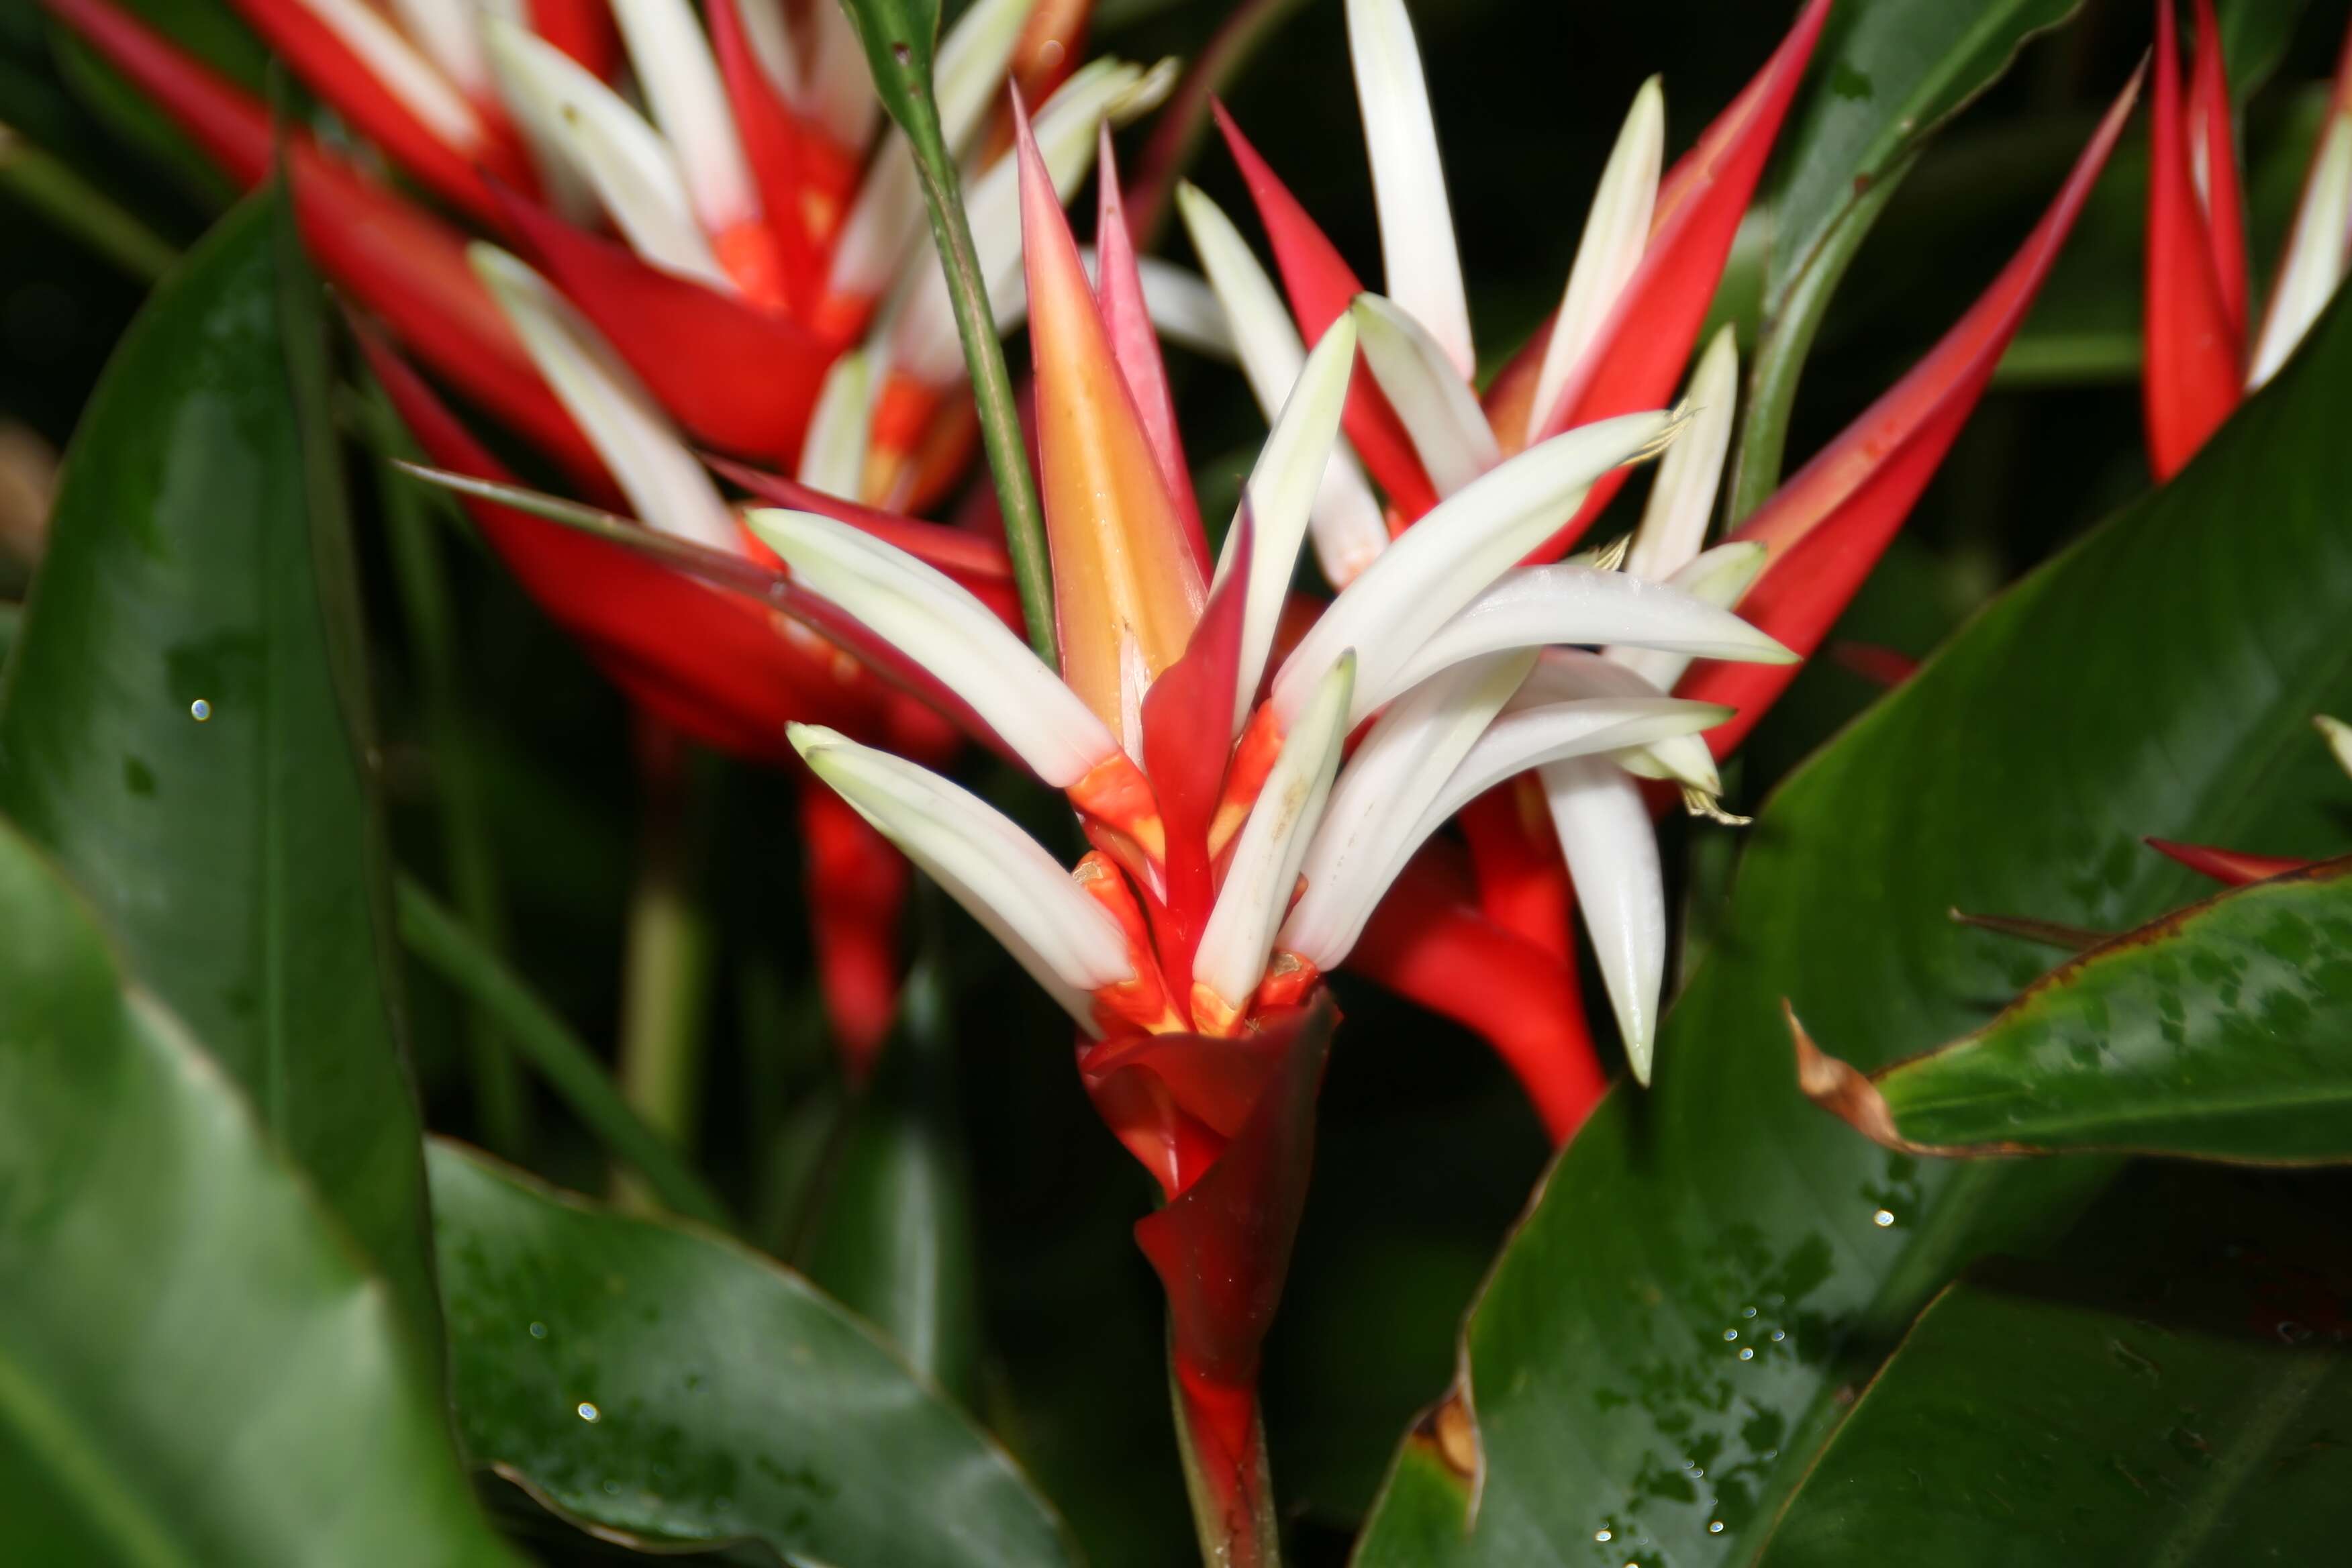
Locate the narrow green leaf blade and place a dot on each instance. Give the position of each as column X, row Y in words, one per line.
column 671, row 1388
column 2158, row 677
column 176, row 729
column 194, row 1365
column 2220, row 1031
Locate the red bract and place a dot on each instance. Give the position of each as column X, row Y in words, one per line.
column 2234, row 867
column 1222, row 1244
column 1827, row 527
column 394, row 258
column 2195, row 332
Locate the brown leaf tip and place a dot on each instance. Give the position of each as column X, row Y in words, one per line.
column 1840, row 1088
column 1451, row 1431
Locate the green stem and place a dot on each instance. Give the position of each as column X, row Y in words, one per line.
column 80, row 210
column 471, row 863
column 903, row 81
column 666, row 961
column 441, row 942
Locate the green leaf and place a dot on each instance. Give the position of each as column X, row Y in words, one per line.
column 2254, row 39
column 2039, row 1416
column 892, row 1236
column 194, row 1367
column 900, row 36
column 2158, row 677
column 1888, row 74
column 2220, row 1031
column 233, row 854
column 668, row 1387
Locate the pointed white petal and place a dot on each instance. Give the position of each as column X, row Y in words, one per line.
column 1437, row 566
column 663, row 479
column 1421, row 268
column 1068, row 942
column 680, row 79
column 1720, row 576
column 885, row 223
column 1673, row 523
column 2338, row 736
column 1281, row 490
column 1367, row 833
column 922, row 331
column 1569, row 674
column 1440, row 412
column 770, row 32
column 939, row 625
column 836, row 86
column 445, row 31
column 833, row 457
column 624, row 159
column 2316, row 252
column 1348, row 527
column 1616, row 231
column 1267, row 856
column 1538, row 606
column 1526, row 738
column 401, row 71
column 1612, row 849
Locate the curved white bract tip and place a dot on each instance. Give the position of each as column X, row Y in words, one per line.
column 922, row 334
column 1673, row 523
column 1281, row 494
column 770, row 32
column 1273, row 844
column 1616, row 232
column 1720, row 576
column 833, row 456
column 664, row 480
column 680, row 81
column 1440, row 412
column 1439, row 565
column 402, row 69
column 1526, row 738
column 1367, row 831
column 2338, row 736
column 1421, row 269
column 1541, row 606
column 1345, row 516
column 1570, row 675
column 2316, row 252
column 1004, row 878
column 1612, row 849
column 571, row 115
column 939, row 625
column 885, row 221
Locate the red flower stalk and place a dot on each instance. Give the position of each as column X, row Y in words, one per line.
column 2199, row 365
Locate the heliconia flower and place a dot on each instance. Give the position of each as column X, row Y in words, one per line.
column 1241, row 846
column 759, row 240
column 1653, row 249
column 2235, row 867
column 2199, row 362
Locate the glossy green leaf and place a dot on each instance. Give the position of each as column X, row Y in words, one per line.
column 2159, row 1402
column 194, row 1365
column 1660, row 1347
column 1887, row 76
column 668, row 1387
column 182, row 728
column 2220, row 1031
column 891, row 1237
column 2254, row 37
